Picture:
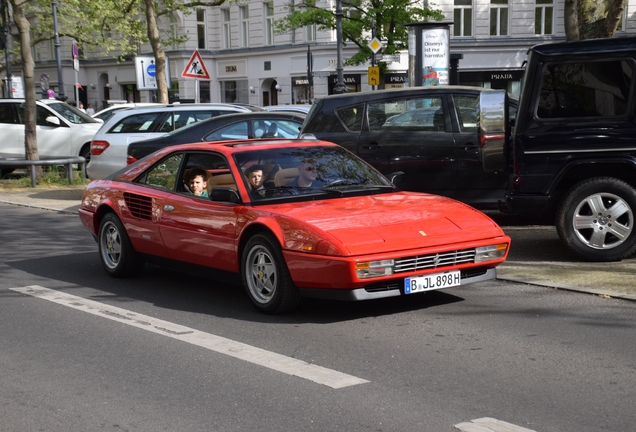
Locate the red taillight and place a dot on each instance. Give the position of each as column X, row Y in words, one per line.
column 130, row 160
column 98, row 147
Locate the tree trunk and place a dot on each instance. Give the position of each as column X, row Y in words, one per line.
column 571, row 20
column 30, row 137
column 614, row 14
column 157, row 49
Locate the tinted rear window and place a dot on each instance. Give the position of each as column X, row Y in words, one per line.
column 585, row 89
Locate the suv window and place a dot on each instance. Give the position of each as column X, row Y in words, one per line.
column 466, row 107
column 351, row 117
column 70, row 113
column 6, row 113
column 415, row 114
column 185, row 118
column 137, row 123
column 585, row 89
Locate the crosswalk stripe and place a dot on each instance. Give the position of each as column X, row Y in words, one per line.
column 258, row 356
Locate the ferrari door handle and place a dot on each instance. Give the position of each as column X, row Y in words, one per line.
column 168, row 208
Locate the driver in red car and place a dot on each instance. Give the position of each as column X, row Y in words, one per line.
column 307, row 173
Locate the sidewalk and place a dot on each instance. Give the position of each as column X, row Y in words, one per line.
column 536, row 257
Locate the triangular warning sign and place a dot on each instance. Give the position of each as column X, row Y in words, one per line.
column 195, row 68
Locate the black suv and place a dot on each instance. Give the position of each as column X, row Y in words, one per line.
column 429, row 133
column 572, row 152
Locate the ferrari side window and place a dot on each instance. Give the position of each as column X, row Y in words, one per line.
column 164, row 174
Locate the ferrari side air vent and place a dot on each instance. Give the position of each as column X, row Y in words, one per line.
column 139, row 206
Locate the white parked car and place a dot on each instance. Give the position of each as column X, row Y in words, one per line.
column 61, row 129
column 109, row 148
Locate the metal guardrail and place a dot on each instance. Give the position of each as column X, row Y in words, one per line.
column 68, row 162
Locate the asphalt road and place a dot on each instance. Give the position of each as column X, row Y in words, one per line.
column 151, row 357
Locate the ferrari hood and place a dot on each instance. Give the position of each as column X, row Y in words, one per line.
column 392, row 222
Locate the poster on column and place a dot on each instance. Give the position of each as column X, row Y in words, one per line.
column 435, row 57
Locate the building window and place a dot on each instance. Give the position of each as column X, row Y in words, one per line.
column 245, row 26
column 173, row 31
column 622, row 20
column 543, row 17
column 227, row 34
column 311, row 33
column 499, row 18
column 35, row 50
column 269, row 23
column 201, row 28
column 463, row 18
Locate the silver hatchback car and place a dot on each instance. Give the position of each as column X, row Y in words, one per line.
column 110, row 144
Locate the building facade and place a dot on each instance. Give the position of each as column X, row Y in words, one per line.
column 248, row 62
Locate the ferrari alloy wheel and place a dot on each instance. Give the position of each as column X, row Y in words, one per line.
column 596, row 219
column 115, row 250
column 266, row 277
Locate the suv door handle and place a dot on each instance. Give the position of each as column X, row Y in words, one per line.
column 371, row 145
column 470, row 147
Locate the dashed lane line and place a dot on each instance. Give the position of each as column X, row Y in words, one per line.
column 258, row 356
column 487, row 424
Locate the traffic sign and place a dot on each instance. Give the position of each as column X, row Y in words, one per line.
column 146, row 72
column 322, row 74
column 196, row 68
column 390, row 58
column 374, row 75
column 375, row 45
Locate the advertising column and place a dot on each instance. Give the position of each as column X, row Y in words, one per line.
column 429, row 54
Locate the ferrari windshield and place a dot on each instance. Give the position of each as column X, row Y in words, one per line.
column 284, row 171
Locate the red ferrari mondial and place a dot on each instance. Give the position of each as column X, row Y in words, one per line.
column 293, row 218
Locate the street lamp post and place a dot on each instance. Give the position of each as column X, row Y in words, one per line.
column 60, row 82
column 340, row 87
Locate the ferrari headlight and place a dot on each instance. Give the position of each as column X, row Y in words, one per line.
column 371, row 269
column 489, row 253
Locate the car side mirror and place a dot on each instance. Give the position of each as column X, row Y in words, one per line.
column 393, row 177
column 53, row 120
column 224, row 194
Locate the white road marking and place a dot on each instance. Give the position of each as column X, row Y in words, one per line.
column 488, row 424
column 261, row 357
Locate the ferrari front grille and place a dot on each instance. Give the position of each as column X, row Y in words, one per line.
column 444, row 259
column 139, row 206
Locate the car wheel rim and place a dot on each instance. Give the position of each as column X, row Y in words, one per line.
column 262, row 277
column 111, row 245
column 603, row 221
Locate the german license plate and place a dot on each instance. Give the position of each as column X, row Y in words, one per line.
column 431, row 282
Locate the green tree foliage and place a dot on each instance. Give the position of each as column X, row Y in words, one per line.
column 590, row 19
column 359, row 16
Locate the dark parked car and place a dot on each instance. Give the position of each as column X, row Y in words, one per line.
column 429, row 133
column 226, row 127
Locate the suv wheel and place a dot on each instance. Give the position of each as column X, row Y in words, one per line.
column 596, row 219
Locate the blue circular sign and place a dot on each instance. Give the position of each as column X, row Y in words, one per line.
column 151, row 70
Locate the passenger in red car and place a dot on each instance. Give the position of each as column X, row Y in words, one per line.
column 198, row 182
column 254, row 175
